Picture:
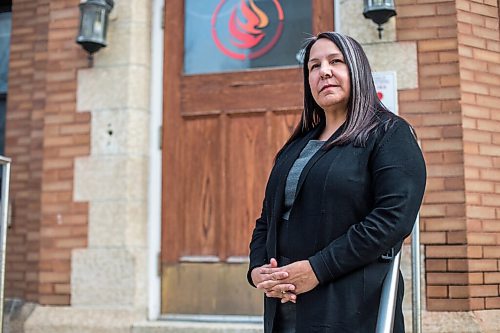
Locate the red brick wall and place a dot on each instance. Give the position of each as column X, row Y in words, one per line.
column 25, row 107
column 44, row 134
column 455, row 111
column 442, row 110
column 479, row 59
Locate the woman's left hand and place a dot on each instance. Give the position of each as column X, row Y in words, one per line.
column 300, row 274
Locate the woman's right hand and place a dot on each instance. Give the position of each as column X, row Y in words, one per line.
column 275, row 287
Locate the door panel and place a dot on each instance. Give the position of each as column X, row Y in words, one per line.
column 221, row 132
column 247, row 154
column 200, row 185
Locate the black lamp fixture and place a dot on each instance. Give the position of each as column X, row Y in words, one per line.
column 379, row 11
column 94, row 15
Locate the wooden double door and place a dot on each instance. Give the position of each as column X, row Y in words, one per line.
column 220, row 134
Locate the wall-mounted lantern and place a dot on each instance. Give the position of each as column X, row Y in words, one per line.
column 379, row 11
column 94, row 15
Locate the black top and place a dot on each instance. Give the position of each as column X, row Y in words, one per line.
column 352, row 205
column 293, row 176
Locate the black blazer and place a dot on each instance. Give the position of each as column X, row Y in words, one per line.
column 352, row 205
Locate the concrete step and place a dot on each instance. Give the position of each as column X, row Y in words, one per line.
column 195, row 327
column 432, row 322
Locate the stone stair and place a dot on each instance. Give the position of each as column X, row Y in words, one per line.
column 195, row 327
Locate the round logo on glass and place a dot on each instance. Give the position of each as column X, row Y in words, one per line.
column 244, row 30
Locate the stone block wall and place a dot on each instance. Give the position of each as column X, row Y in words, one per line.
column 44, row 135
column 112, row 270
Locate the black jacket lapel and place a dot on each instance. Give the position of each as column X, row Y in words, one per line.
column 283, row 170
column 308, row 167
column 315, row 158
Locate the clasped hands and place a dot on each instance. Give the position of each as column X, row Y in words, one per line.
column 285, row 282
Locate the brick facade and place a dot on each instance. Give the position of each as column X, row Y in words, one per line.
column 44, row 135
column 456, row 113
column 479, row 60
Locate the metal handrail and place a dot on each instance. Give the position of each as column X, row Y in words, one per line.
column 385, row 320
column 5, row 162
column 387, row 307
column 415, row 278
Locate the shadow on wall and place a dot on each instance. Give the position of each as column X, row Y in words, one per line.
column 16, row 311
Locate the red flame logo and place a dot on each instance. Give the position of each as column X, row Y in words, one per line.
column 249, row 32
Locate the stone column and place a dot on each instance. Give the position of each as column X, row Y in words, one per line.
column 113, row 179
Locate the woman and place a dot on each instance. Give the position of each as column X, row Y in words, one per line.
column 343, row 193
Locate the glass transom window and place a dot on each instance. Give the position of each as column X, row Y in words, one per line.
column 234, row 35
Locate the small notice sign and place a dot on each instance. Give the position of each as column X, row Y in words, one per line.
column 387, row 89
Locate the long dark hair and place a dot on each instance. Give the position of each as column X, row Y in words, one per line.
column 364, row 106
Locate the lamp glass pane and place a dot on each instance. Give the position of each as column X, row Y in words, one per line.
column 93, row 23
column 98, row 28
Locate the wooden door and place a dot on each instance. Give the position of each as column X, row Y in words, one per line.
column 221, row 132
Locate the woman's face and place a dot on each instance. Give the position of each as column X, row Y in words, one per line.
column 328, row 76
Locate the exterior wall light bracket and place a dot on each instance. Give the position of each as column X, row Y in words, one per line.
column 379, row 11
column 94, row 17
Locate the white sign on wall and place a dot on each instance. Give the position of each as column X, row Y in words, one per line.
column 387, row 89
